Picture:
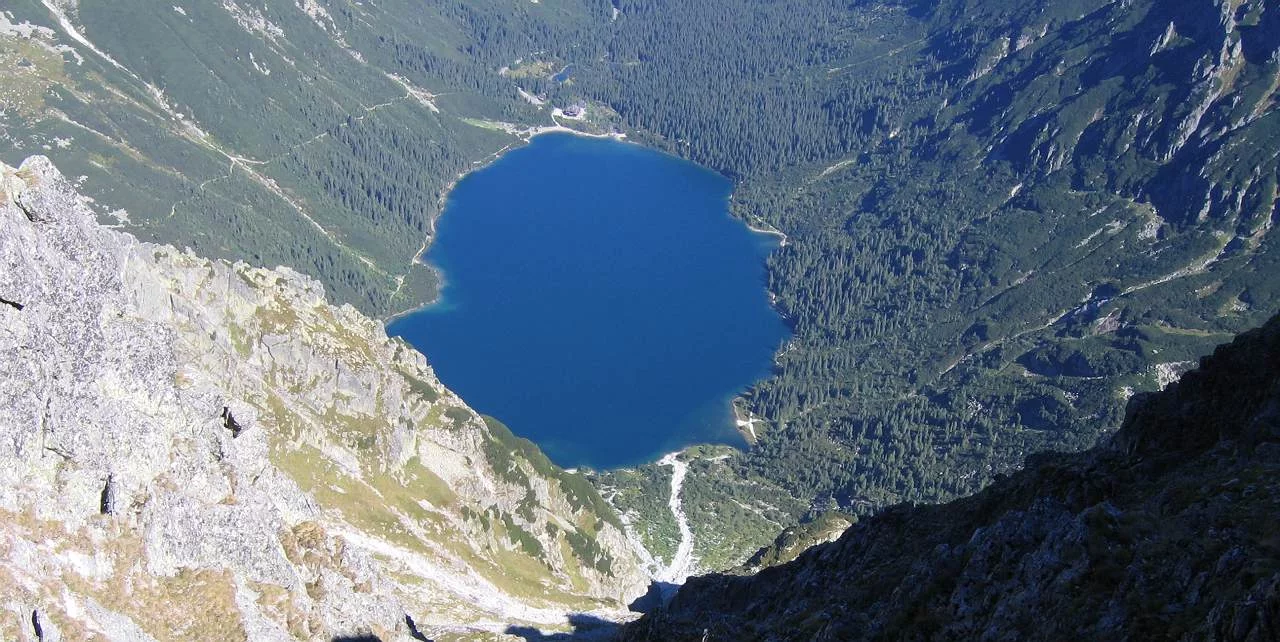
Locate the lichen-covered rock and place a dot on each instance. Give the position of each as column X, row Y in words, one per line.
column 191, row 449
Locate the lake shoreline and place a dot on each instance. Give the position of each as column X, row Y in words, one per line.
column 767, row 230
column 525, row 136
column 496, row 230
column 744, row 428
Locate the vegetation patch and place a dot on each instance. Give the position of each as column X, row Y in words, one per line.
column 503, row 450
column 420, row 387
column 32, row 71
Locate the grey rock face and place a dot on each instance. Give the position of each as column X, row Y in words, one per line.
column 195, row 449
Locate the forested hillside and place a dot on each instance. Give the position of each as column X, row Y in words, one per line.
column 1003, row 218
column 1166, row 532
column 316, row 135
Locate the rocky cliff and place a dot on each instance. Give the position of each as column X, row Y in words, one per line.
column 1166, row 532
column 193, row 449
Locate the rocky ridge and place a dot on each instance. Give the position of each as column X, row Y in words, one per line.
column 193, row 449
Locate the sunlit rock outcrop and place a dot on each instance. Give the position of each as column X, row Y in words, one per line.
column 191, row 449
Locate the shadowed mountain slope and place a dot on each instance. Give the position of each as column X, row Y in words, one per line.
column 1166, row 532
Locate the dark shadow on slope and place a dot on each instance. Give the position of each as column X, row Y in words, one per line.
column 585, row 627
column 658, row 595
column 413, row 629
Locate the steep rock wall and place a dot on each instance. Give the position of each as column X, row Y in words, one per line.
column 196, row 449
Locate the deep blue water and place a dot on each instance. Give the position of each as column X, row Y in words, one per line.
column 563, row 74
column 599, row 300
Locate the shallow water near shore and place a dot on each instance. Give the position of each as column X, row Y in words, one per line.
column 599, row 300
